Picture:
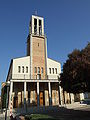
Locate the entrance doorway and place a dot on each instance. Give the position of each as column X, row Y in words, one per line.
column 41, row 98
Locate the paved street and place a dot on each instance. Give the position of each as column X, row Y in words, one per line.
column 69, row 113
column 66, row 113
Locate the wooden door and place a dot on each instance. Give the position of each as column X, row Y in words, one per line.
column 41, row 98
column 15, row 102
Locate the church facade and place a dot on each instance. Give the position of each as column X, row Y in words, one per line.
column 34, row 78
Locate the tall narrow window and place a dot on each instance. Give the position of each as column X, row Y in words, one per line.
column 40, row 28
column 19, row 69
column 35, row 70
column 38, row 69
column 26, row 69
column 53, row 70
column 42, row 70
column 35, row 26
column 22, row 69
column 56, row 70
column 50, row 70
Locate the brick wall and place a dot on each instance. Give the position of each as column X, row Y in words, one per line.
column 38, row 54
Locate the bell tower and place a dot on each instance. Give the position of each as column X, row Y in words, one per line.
column 37, row 48
column 37, row 26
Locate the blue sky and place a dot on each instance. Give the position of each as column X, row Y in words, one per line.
column 67, row 26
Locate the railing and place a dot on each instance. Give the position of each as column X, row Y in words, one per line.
column 35, row 77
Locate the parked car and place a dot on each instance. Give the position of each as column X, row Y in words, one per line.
column 85, row 102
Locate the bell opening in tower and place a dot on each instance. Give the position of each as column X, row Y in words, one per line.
column 35, row 26
column 40, row 28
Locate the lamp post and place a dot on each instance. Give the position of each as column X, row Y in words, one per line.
column 7, row 85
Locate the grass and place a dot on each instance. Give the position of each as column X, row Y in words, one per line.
column 39, row 117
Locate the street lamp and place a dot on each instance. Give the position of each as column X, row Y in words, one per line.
column 7, row 85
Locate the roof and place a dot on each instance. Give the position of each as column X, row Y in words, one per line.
column 55, row 60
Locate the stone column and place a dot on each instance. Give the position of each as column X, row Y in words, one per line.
column 81, row 96
column 37, row 93
column 37, row 26
column 60, row 95
column 24, row 94
column 10, row 96
column 72, row 97
column 50, row 98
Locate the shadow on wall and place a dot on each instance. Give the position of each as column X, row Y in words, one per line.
column 21, row 104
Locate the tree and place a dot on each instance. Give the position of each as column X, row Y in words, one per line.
column 4, row 96
column 76, row 71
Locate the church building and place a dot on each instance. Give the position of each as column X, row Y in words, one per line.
column 34, row 78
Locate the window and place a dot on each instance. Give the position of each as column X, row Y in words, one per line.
column 42, row 70
column 22, row 69
column 53, row 70
column 50, row 70
column 26, row 69
column 35, row 70
column 56, row 70
column 19, row 69
column 38, row 69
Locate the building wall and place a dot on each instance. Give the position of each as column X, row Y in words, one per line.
column 53, row 64
column 23, row 61
column 38, row 61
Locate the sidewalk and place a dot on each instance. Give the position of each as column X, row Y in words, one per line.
column 77, row 106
